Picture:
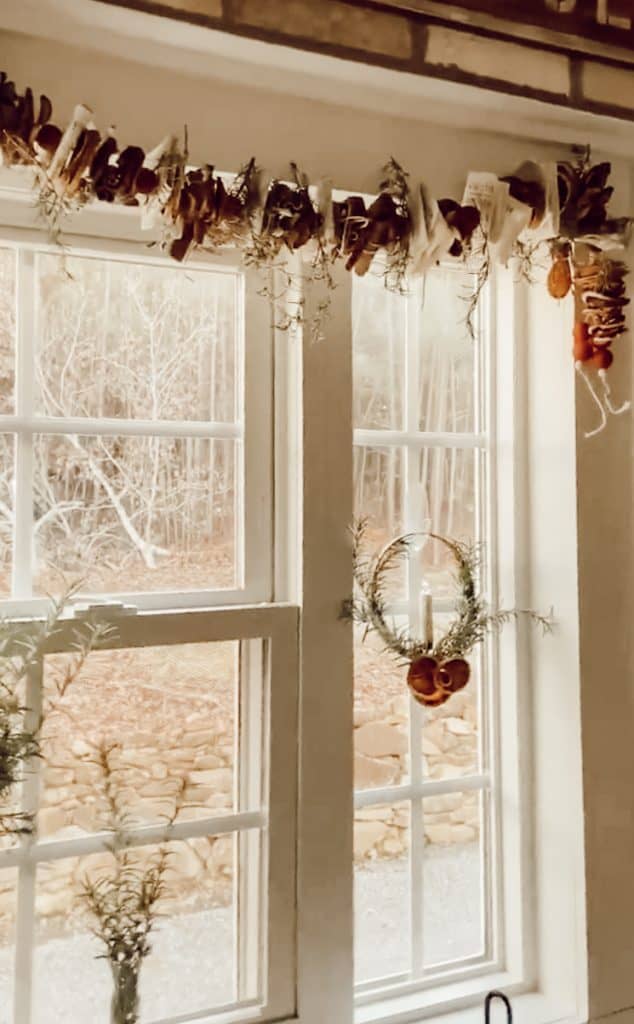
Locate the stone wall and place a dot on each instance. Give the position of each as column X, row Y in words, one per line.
column 150, row 783
column 449, row 750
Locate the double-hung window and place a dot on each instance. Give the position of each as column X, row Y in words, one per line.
column 192, row 468
column 136, row 420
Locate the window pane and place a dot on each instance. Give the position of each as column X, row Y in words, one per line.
column 137, row 341
column 444, row 500
column 381, row 702
column 192, row 963
column 379, row 332
column 447, row 505
column 127, row 514
column 7, row 488
column 8, row 900
column 453, row 877
column 7, row 328
column 447, row 353
column 381, row 891
column 415, row 363
column 172, row 709
column 379, row 484
column 379, row 490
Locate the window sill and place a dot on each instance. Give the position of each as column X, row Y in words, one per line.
column 462, row 1003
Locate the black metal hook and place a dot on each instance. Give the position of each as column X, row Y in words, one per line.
column 487, row 1006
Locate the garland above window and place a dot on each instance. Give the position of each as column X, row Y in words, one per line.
column 562, row 207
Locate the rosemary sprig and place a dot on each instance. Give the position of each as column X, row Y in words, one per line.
column 123, row 899
column 396, row 184
column 482, row 274
column 22, row 648
column 474, row 619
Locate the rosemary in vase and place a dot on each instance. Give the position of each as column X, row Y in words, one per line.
column 123, row 903
column 123, row 899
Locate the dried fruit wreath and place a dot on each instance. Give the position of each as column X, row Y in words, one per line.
column 560, row 206
column 436, row 668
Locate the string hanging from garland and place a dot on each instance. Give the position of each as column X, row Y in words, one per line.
column 437, row 668
column 560, row 206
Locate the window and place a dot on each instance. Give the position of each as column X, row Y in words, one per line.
column 196, row 469
column 137, row 451
column 425, row 793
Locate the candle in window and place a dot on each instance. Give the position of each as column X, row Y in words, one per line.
column 426, row 615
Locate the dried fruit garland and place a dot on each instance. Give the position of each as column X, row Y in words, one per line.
column 197, row 208
column 436, row 668
column 563, row 205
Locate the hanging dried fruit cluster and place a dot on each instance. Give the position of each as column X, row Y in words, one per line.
column 581, row 262
column 207, row 213
column 600, row 301
column 564, row 205
column 289, row 218
column 599, row 281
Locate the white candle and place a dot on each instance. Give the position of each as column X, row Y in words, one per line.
column 426, row 614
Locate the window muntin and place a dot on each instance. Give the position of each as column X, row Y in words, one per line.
column 423, row 805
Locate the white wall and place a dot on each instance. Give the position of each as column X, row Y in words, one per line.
column 606, row 600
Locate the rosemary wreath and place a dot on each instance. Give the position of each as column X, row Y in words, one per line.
column 440, row 669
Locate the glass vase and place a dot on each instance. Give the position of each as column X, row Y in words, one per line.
column 125, row 998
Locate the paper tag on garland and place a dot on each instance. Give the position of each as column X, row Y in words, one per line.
column 261, row 187
column 503, row 217
column 486, row 192
column 435, row 237
column 321, row 196
column 517, row 217
column 421, row 217
column 323, row 201
column 549, row 227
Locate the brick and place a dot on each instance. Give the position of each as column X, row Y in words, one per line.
column 208, row 8
column 603, row 83
column 329, row 21
column 493, row 58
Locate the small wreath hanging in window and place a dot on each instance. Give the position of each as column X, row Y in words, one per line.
column 437, row 668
